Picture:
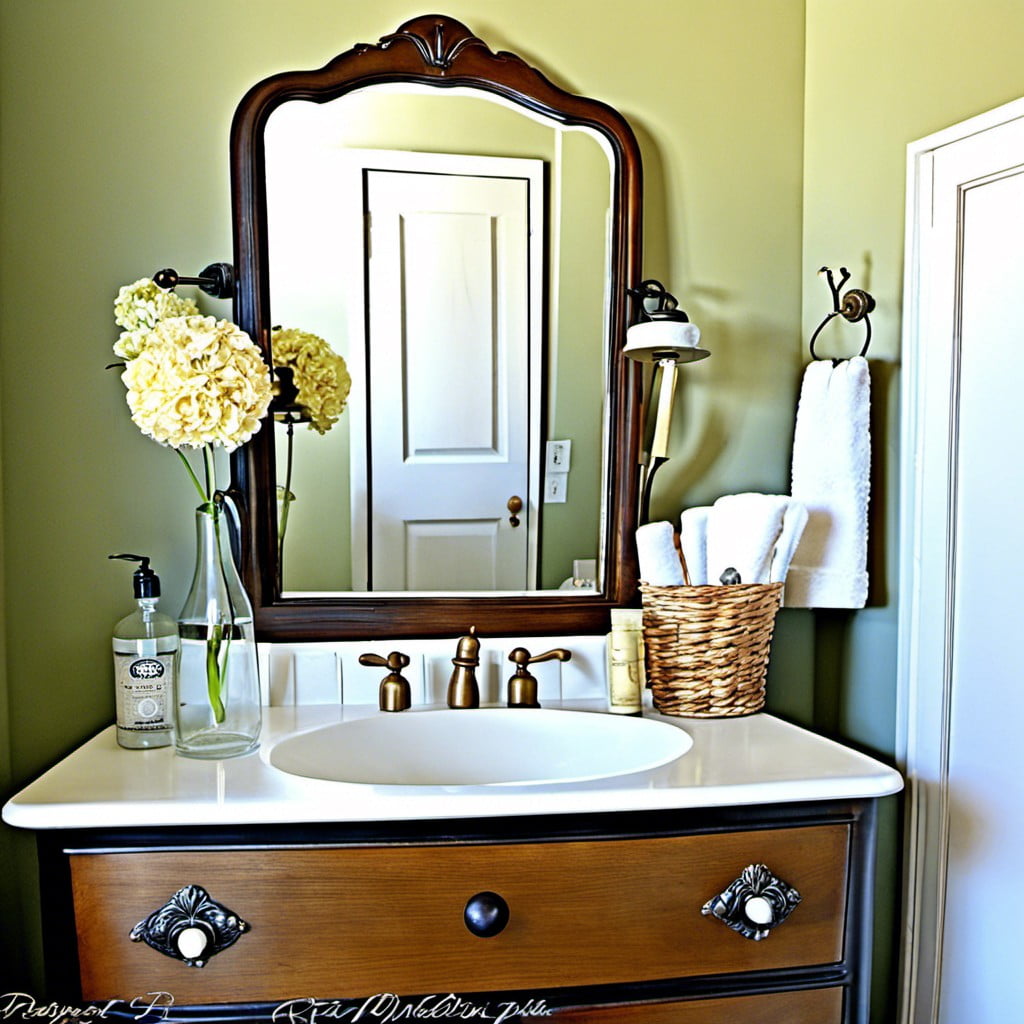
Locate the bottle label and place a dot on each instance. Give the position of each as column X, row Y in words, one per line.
column 624, row 672
column 142, row 691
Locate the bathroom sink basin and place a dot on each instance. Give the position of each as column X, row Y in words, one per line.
column 480, row 747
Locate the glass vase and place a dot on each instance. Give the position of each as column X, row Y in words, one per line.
column 217, row 709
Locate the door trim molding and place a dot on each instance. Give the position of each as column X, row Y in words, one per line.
column 929, row 437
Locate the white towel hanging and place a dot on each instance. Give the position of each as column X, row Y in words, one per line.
column 831, row 476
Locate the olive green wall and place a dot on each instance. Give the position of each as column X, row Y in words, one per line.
column 771, row 147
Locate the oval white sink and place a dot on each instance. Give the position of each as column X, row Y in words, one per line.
column 480, row 747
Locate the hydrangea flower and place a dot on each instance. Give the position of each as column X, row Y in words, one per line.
column 139, row 307
column 198, row 382
column 320, row 375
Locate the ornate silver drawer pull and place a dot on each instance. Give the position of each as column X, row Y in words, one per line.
column 755, row 903
column 190, row 927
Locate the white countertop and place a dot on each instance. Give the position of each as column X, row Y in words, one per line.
column 757, row 759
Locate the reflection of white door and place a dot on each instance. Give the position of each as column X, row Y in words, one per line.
column 452, row 345
column 961, row 660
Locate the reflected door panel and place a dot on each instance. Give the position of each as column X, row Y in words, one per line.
column 450, row 348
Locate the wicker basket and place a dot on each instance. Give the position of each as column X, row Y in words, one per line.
column 707, row 647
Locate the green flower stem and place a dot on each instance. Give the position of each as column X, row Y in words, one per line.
column 211, row 472
column 225, row 632
column 215, row 672
column 204, row 497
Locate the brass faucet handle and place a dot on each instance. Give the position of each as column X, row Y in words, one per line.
column 395, row 691
column 522, row 686
column 521, row 656
column 395, row 661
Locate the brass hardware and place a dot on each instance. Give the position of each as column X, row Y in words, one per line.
column 463, row 691
column 515, row 506
column 522, row 687
column 395, row 692
column 754, row 903
column 856, row 305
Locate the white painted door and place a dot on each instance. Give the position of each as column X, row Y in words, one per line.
column 453, row 343
column 962, row 669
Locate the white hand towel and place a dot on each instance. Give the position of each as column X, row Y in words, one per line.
column 831, row 476
column 660, row 564
column 742, row 532
column 693, row 539
column 793, row 522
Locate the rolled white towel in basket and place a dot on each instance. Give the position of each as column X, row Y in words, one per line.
column 793, row 522
column 742, row 533
column 831, row 476
column 660, row 564
column 693, row 539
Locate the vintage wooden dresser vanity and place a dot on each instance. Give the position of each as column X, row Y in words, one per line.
column 734, row 884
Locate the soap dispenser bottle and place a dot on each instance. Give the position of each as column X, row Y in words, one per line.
column 145, row 663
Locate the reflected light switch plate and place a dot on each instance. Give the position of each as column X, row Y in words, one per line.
column 558, row 455
column 555, row 487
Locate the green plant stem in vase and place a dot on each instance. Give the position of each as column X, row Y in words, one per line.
column 217, row 711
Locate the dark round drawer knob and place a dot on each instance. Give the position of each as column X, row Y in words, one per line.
column 486, row 914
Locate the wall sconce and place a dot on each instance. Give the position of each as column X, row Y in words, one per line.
column 665, row 338
column 218, row 280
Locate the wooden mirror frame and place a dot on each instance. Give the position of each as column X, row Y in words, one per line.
column 436, row 51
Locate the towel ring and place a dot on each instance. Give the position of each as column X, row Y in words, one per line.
column 853, row 307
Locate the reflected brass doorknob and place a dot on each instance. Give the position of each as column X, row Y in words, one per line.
column 515, row 506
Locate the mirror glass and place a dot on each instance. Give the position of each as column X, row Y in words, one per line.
column 453, row 249
column 441, row 240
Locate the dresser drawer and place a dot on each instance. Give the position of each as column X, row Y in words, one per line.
column 356, row 921
column 814, row 1006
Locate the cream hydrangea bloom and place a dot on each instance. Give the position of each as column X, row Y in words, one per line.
column 198, row 381
column 320, row 374
column 139, row 307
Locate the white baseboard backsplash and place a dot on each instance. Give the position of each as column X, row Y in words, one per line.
column 330, row 673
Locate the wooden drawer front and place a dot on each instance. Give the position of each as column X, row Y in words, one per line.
column 353, row 922
column 817, row 1006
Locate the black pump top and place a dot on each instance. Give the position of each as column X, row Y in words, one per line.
column 145, row 582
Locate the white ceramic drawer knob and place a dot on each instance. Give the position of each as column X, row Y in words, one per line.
column 759, row 910
column 754, row 903
column 191, row 942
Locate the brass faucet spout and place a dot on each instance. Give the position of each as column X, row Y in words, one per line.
column 463, row 691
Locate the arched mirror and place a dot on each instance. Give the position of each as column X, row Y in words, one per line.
column 435, row 242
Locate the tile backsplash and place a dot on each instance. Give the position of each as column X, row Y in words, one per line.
column 330, row 673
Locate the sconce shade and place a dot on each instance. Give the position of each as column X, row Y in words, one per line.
column 666, row 338
column 651, row 341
